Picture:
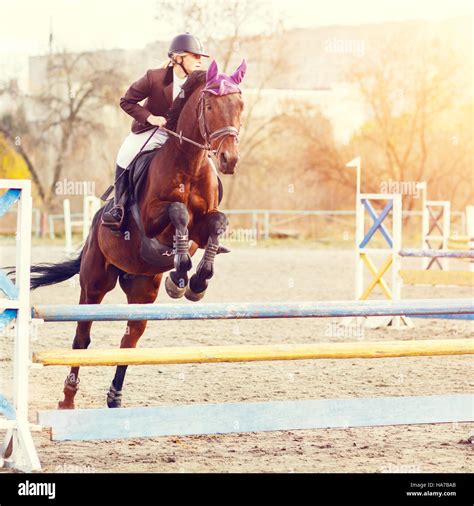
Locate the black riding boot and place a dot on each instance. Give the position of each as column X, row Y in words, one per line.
column 113, row 218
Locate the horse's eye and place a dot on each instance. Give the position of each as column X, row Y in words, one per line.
column 208, row 107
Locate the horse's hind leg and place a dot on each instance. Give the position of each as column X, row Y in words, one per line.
column 213, row 226
column 96, row 281
column 139, row 290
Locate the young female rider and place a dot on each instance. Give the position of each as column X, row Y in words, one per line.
column 159, row 87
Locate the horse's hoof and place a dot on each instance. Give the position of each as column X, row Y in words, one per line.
column 174, row 291
column 114, row 397
column 193, row 296
column 115, row 403
column 66, row 405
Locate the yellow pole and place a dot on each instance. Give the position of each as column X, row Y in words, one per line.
column 207, row 354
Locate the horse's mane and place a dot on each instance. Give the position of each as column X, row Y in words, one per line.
column 195, row 79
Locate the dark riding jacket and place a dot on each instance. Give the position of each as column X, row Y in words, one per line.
column 156, row 86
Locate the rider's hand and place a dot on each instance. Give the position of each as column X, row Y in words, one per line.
column 158, row 121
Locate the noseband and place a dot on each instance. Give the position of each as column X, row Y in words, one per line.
column 224, row 132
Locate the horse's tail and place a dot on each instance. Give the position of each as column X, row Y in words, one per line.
column 49, row 274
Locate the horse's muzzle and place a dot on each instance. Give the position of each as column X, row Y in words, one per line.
column 227, row 163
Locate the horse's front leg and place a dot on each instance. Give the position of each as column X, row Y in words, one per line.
column 177, row 281
column 156, row 217
column 215, row 224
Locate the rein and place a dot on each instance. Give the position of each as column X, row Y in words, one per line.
column 182, row 138
column 223, row 132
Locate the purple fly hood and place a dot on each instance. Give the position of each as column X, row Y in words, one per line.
column 222, row 84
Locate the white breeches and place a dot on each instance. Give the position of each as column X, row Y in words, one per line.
column 133, row 143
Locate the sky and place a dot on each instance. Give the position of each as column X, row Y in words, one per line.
column 103, row 24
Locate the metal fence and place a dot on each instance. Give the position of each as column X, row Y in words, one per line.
column 263, row 224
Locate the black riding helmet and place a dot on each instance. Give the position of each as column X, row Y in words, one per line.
column 185, row 42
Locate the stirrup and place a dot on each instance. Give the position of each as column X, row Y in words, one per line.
column 113, row 225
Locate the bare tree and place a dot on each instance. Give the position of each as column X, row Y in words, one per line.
column 72, row 107
column 221, row 27
column 408, row 84
column 14, row 121
column 300, row 152
column 63, row 112
column 226, row 31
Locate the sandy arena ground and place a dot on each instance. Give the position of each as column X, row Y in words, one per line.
column 253, row 274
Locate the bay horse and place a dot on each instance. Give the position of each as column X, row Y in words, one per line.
column 175, row 212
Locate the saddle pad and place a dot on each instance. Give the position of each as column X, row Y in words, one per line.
column 139, row 168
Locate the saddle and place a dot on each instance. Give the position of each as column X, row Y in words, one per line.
column 151, row 250
column 136, row 174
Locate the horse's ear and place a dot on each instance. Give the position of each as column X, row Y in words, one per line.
column 212, row 72
column 239, row 74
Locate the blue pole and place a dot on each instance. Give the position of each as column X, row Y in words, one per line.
column 246, row 310
column 436, row 253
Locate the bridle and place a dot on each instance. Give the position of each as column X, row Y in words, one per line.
column 223, row 133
